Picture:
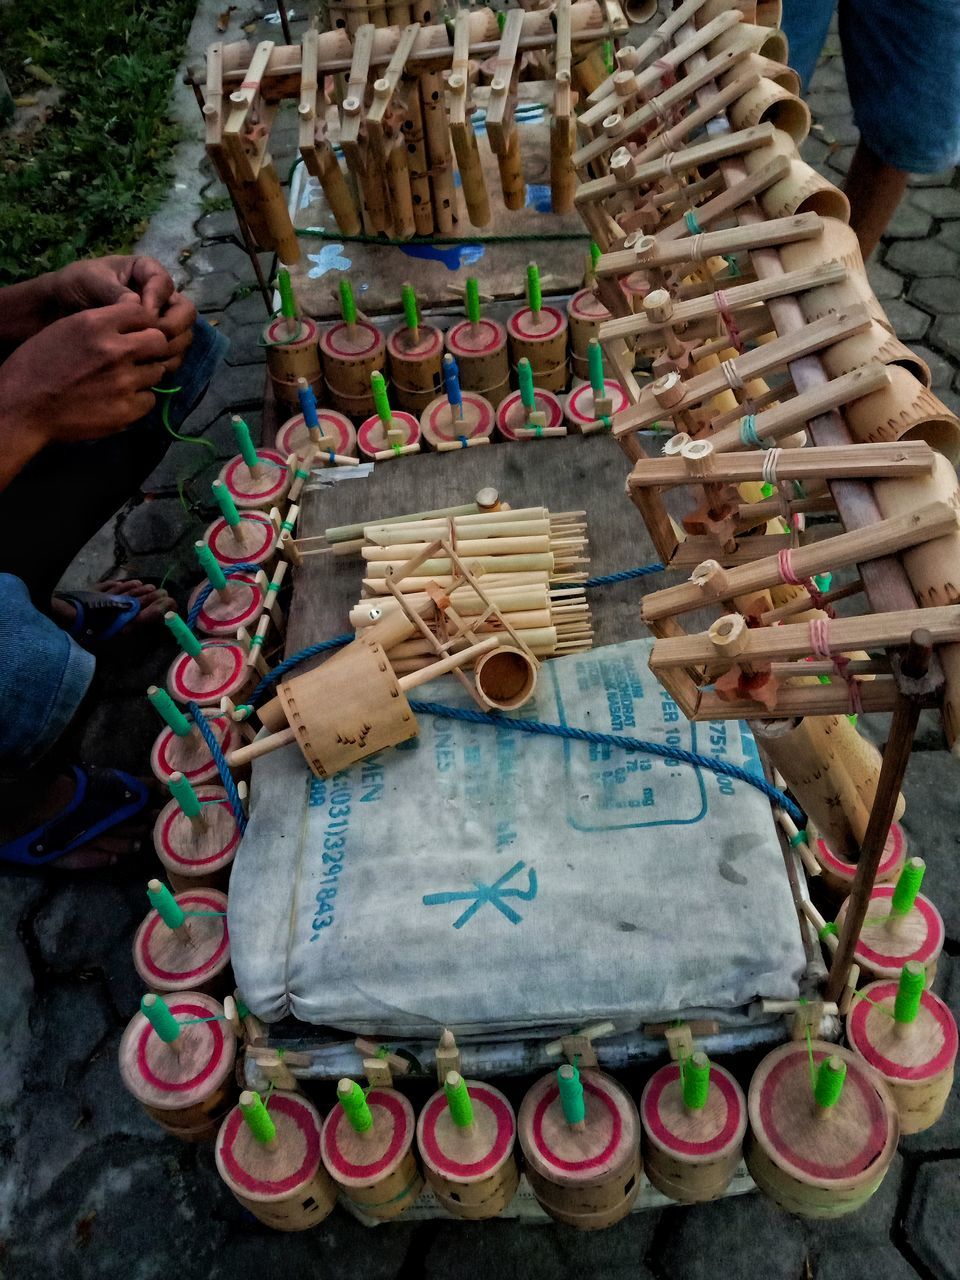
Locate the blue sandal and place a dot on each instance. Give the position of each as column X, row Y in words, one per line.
column 100, row 617
column 102, row 799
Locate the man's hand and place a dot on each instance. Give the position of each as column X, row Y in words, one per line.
column 101, row 282
column 176, row 324
column 85, row 376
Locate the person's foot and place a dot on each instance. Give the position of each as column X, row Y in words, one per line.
column 77, row 820
column 92, row 617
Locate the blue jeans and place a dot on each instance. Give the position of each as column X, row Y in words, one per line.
column 902, row 59
column 44, row 675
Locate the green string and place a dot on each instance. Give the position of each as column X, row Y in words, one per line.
column 859, row 995
column 732, row 265
column 799, row 838
column 165, row 419
column 281, row 342
column 205, row 913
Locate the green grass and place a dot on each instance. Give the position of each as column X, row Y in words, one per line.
column 85, row 181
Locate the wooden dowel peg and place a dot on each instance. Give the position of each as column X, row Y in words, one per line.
column 187, row 641
column 260, row 747
column 170, row 713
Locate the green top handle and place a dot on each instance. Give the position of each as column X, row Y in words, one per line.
column 473, row 301
column 348, row 308
column 534, row 294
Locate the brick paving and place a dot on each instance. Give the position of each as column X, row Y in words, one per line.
column 89, row 1187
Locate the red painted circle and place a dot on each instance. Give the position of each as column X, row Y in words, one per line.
column 372, row 425
column 650, row 1110
column 442, row 410
column 890, row 859
column 874, row 1140
column 520, row 325
column 339, row 1164
column 167, row 841
column 582, row 397
column 188, row 694
column 586, row 306
column 858, row 1037
column 577, row 1166
column 212, row 1030
column 546, row 403
column 331, row 344
column 501, row 1144
column 212, row 625
column 194, row 901
column 276, row 333
column 305, row 1121
column 273, row 483
column 222, row 731
column 221, row 542
column 489, row 337
column 331, row 424
column 430, row 344
column 928, row 949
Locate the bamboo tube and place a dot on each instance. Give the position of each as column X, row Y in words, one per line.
column 803, row 190
column 465, row 547
column 905, row 410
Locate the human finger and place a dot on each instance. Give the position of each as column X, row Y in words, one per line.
column 154, row 283
column 179, row 316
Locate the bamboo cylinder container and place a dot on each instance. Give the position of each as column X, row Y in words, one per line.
column 291, row 356
column 769, row 42
column 228, row 675
column 349, row 354
column 589, row 1177
column 506, row 678
column 887, row 942
column 769, row 102
column 801, row 190
column 802, row 753
column 241, row 608
column 480, row 351
column 252, row 541
column 812, row 1162
column 372, row 434
column 186, row 1088
column 838, row 873
column 294, row 436
column 284, row 1185
column 440, row 426
column 875, row 343
column 779, row 72
column 511, row 415
column 195, row 957
column 837, row 243
column 579, row 407
column 376, row 1170
column 415, row 367
column 585, row 314
column 259, row 488
column 933, row 568
column 915, row 1059
column 541, row 338
column 692, row 1155
column 905, row 410
column 471, row 1170
column 197, row 856
column 190, row 755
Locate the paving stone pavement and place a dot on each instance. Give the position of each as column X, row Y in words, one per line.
column 90, row 1187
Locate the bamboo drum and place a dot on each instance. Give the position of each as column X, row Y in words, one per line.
column 197, row 856
column 511, row 415
column 191, row 755
column 241, row 608
column 294, row 437
column 439, row 424
column 291, row 358
column 542, row 339
column 168, row 960
column 887, row 942
column 350, row 353
column 471, row 1170
column 480, row 351
column 377, row 1170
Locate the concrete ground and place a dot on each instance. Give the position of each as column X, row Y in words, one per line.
column 89, row 1187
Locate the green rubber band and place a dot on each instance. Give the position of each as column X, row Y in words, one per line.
column 397, row 449
column 799, row 838
column 459, row 1102
column 606, row 422
column 913, row 979
column 907, row 887
column 258, row 1119
column 696, row 1081
column 355, row 1106
column 829, row 1084
column 732, row 264
column 301, row 475
column 595, row 254
column 256, row 641
column 767, row 490
column 166, row 906
column 693, row 226
column 571, row 1095
column 155, row 1010
column 829, row 930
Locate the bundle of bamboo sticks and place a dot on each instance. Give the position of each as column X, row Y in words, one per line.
column 529, row 563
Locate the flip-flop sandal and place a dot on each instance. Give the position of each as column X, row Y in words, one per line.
column 102, row 799
column 100, row 617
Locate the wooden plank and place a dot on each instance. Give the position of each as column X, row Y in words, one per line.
column 908, row 458
column 859, row 546
column 735, row 299
column 693, row 551
column 833, row 699
column 752, row 364
column 710, row 152
column 792, row 640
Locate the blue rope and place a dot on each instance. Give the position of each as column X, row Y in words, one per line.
column 676, row 754
column 288, row 664
column 624, row 575
column 204, row 593
column 220, row 760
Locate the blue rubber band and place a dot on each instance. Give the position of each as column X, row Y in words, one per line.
column 693, row 226
column 748, row 431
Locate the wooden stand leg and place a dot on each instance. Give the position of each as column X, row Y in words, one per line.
column 903, row 726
